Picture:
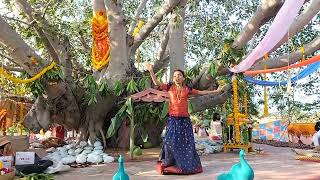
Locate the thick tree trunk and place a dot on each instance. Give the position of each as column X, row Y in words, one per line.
column 119, row 64
column 176, row 38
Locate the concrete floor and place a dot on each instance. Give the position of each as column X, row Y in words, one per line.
column 275, row 163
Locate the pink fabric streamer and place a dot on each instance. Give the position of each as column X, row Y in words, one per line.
column 276, row 32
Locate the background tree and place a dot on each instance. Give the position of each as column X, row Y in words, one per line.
column 186, row 33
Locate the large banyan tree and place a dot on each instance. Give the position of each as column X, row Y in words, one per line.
column 34, row 34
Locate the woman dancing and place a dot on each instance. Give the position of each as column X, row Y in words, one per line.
column 178, row 154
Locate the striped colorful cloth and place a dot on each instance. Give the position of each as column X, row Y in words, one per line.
column 276, row 130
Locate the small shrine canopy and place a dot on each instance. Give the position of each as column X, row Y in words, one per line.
column 150, row 95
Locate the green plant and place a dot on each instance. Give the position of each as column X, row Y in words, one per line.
column 35, row 176
column 92, row 88
column 118, row 88
column 132, row 86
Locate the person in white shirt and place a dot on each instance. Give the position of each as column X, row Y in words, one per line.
column 216, row 125
column 316, row 136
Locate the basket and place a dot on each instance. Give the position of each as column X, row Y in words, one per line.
column 19, row 143
column 9, row 176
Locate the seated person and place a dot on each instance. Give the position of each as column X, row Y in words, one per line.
column 202, row 132
column 316, row 136
column 216, row 125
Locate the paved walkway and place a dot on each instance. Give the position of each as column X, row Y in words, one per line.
column 276, row 163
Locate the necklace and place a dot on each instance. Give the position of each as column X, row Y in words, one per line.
column 178, row 93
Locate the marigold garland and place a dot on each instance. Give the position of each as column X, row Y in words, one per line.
column 236, row 110
column 135, row 32
column 303, row 55
column 100, row 41
column 18, row 80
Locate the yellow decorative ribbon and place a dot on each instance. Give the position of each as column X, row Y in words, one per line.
column 135, row 32
column 303, row 55
column 18, row 80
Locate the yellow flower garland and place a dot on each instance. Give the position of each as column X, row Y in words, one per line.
column 18, row 80
column 135, row 32
column 236, row 110
column 100, row 41
column 302, row 52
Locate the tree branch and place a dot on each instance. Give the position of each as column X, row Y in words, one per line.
column 111, row 5
column 201, row 103
column 14, row 19
column 7, row 57
column 267, row 10
column 10, row 68
column 303, row 19
column 66, row 60
column 196, row 80
column 84, row 43
column 294, row 57
column 25, row 7
column 152, row 23
column 141, row 6
column 163, row 44
column 160, row 64
column 18, row 49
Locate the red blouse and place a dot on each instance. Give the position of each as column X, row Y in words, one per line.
column 178, row 100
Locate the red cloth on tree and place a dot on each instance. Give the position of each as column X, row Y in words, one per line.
column 58, row 132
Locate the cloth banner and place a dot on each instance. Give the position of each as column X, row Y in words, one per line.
column 304, row 73
column 296, row 65
column 278, row 29
column 276, row 130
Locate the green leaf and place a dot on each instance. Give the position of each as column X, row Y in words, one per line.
column 143, row 82
column 190, row 107
column 160, row 74
column 118, row 88
column 129, row 106
column 115, row 124
column 132, row 86
column 144, row 136
column 213, row 69
column 116, row 121
column 165, row 109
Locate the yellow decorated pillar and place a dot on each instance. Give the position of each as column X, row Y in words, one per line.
column 236, row 110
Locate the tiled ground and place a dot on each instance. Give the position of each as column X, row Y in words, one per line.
column 276, row 163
